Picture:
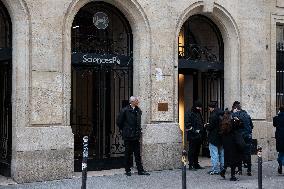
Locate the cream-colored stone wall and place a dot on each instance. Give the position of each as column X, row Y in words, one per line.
column 42, row 64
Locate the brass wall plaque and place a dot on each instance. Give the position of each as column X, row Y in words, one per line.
column 163, row 107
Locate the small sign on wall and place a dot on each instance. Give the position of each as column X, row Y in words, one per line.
column 163, row 107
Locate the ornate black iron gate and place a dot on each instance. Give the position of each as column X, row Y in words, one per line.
column 98, row 93
column 207, row 74
column 204, row 59
column 5, row 91
column 101, row 82
column 279, row 75
column 5, row 116
column 212, row 90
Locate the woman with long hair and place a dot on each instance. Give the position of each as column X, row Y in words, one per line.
column 228, row 131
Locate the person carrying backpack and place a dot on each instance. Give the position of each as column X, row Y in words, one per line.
column 232, row 156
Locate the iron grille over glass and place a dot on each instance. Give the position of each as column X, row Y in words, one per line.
column 201, row 54
column 5, row 91
column 101, row 82
column 279, row 75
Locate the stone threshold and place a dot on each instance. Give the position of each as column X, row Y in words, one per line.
column 5, row 181
column 101, row 173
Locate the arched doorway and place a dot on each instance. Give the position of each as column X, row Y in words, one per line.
column 101, row 82
column 200, row 66
column 5, row 91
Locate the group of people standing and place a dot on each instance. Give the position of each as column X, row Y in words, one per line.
column 229, row 134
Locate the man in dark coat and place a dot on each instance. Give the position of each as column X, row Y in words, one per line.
column 214, row 139
column 129, row 122
column 246, row 132
column 195, row 128
column 278, row 122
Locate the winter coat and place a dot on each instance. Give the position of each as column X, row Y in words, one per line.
column 194, row 122
column 129, row 122
column 278, row 122
column 232, row 153
column 213, row 127
column 246, row 122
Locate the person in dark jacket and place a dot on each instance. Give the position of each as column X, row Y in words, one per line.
column 195, row 128
column 214, row 139
column 246, row 131
column 232, row 155
column 235, row 104
column 278, row 122
column 129, row 122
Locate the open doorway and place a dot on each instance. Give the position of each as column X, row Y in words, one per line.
column 200, row 67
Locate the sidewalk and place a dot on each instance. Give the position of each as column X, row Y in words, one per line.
column 168, row 179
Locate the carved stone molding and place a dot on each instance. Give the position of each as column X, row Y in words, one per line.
column 280, row 3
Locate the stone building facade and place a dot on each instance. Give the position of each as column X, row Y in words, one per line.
column 150, row 36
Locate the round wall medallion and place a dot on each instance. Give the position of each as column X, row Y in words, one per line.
column 100, row 20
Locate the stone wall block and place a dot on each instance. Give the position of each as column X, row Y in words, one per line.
column 162, row 93
column 32, row 166
column 161, row 156
column 46, row 43
column 161, row 133
column 264, row 133
column 253, row 99
column 47, row 21
column 36, row 138
column 260, row 129
column 280, row 3
column 272, row 153
column 161, row 146
column 265, row 148
column 46, row 98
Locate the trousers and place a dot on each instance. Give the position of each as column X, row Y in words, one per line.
column 132, row 146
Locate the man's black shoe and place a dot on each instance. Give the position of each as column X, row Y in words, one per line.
column 128, row 173
column 239, row 172
column 233, row 178
column 222, row 173
column 198, row 167
column 213, row 173
column 143, row 173
column 191, row 168
column 249, row 173
column 280, row 169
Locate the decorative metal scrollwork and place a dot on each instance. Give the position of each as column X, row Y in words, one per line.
column 197, row 53
column 117, row 145
column 103, row 46
column 3, row 148
column 279, row 75
column 5, row 91
column 280, row 46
